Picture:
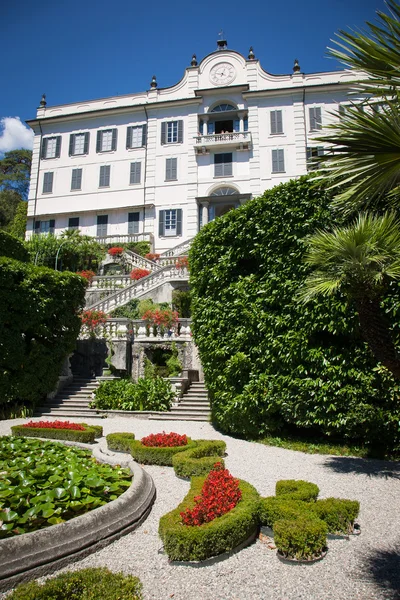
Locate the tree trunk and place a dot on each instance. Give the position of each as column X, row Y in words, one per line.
column 375, row 330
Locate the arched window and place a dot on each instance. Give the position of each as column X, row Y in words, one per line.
column 223, row 108
column 224, row 191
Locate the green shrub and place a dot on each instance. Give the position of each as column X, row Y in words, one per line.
column 303, row 366
column 152, row 455
column 123, row 394
column 174, row 365
column 128, row 310
column 337, row 513
column 200, row 459
column 181, row 303
column 303, row 538
column 71, row 435
column 119, row 442
column 98, row 429
column 294, row 489
column 17, row 227
column 274, row 509
column 141, row 248
column 221, row 535
column 87, row 584
column 11, row 247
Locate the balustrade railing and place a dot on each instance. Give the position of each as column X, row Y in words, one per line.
column 179, row 250
column 217, row 139
column 127, row 238
column 109, row 282
column 137, row 261
column 139, row 330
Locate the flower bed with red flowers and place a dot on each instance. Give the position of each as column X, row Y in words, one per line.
column 115, row 251
column 220, row 494
column 164, row 440
column 137, row 274
column 182, row 263
column 161, row 318
column 55, row 425
column 91, row 319
column 87, row 275
column 152, row 256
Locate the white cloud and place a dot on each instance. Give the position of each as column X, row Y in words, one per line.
column 14, row 135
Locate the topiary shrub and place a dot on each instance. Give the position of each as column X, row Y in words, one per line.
column 85, row 437
column 11, row 247
column 221, row 535
column 152, row 455
column 120, row 442
column 200, row 459
column 272, row 509
column 86, row 584
column 296, row 489
column 303, row 538
column 337, row 513
column 269, row 361
column 98, row 430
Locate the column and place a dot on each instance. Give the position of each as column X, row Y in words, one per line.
column 204, row 208
column 241, row 116
column 205, row 121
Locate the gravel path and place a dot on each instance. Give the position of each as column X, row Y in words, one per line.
column 365, row 568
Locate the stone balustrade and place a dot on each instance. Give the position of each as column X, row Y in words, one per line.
column 137, row 261
column 127, row 238
column 122, row 329
column 109, row 282
column 180, row 250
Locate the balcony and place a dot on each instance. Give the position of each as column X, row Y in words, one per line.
column 240, row 140
column 127, row 238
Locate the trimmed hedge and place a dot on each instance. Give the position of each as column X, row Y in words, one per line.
column 221, row 535
column 296, row 489
column 199, row 460
column 339, row 514
column 11, row 247
column 87, row 584
column 98, row 430
column 303, row 538
column 272, row 509
column 120, row 442
column 85, row 437
column 151, row 455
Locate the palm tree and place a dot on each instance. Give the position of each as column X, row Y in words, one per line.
column 359, row 260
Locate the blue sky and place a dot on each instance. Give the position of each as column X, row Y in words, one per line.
column 76, row 51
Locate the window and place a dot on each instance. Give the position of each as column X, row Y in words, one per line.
column 312, row 154
column 104, row 180
column 102, row 225
column 171, row 169
column 136, row 137
column 315, row 118
column 76, row 181
column 223, row 164
column 278, row 161
column 73, row 223
column 48, row 183
column 78, row 144
column 106, row 140
column 45, row 226
column 133, row 223
column 170, row 223
column 135, row 172
column 224, row 191
column 276, row 122
column 223, row 108
column 51, row 147
column 172, row 132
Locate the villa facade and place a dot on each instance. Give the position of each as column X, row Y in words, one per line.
column 159, row 164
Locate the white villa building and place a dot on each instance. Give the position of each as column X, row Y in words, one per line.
column 157, row 165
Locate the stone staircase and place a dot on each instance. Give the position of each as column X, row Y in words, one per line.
column 72, row 401
column 193, row 406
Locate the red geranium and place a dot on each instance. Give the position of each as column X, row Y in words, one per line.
column 87, row 275
column 152, row 256
column 220, row 494
column 137, row 274
column 55, row 425
column 161, row 318
column 92, row 319
column 115, row 251
column 182, row 263
column 164, row 440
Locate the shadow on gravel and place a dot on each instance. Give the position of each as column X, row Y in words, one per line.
column 384, row 569
column 362, row 466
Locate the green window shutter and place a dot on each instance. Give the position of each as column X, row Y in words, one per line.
column 180, row 132
column 275, row 161
column 246, row 123
column 163, row 132
column 104, row 180
column 129, row 137
column 174, row 168
column 318, row 118
column 48, row 183
column 161, row 223
column 98, row 142
column 52, row 225
column 114, row 139
column 135, row 172
column 179, row 221
column 44, row 147
column 133, row 222
column 71, row 144
column 37, row 226
column 236, row 125
column 144, row 135
column 281, row 160
column 76, row 181
column 218, row 165
column 279, row 124
column 86, row 144
column 58, row 146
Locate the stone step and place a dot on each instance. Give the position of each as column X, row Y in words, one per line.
column 169, row 417
column 66, row 405
column 199, row 405
column 74, row 414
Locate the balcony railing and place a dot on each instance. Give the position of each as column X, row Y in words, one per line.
column 239, row 139
column 127, row 238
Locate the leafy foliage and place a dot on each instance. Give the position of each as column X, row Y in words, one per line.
column 17, row 227
column 43, row 483
column 270, row 362
column 59, row 430
column 200, row 459
column 9, row 203
column 15, row 168
column 119, row 442
column 85, row 584
column 297, row 489
column 123, row 394
column 303, row 538
column 339, row 514
column 128, row 310
column 181, row 303
column 12, row 248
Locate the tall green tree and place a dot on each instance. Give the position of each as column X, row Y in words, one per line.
column 15, row 169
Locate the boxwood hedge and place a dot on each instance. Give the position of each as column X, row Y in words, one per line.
column 120, row 442
column 152, row 455
column 200, row 459
column 303, row 538
column 85, row 437
column 297, row 489
column 339, row 514
column 184, row 543
column 272, row 509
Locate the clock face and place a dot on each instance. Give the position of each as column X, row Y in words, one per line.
column 222, row 73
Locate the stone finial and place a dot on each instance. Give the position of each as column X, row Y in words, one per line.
column 193, row 62
column 43, row 102
column 296, row 66
column 153, row 82
column 251, row 53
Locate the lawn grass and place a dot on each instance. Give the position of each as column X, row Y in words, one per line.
column 291, row 442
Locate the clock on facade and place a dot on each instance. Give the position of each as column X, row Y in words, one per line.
column 222, row 73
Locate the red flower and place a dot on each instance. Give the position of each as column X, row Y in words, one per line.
column 162, row 318
column 152, row 256
column 92, row 318
column 182, row 263
column 55, row 425
column 220, row 494
column 87, row 275
column 115, row 251
column 164, row 440
column 137, row 274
